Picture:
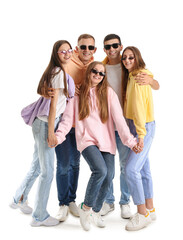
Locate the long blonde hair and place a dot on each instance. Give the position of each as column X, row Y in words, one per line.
column 101, row 94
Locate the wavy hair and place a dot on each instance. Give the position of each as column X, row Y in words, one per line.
column 49, row 73
column 139, row 65
column 101, row 94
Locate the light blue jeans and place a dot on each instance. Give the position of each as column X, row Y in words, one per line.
column 42, row 166
column 123, row 156
column 138, row 174
column 102, row 167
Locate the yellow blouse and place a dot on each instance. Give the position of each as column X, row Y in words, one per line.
column 139, row 104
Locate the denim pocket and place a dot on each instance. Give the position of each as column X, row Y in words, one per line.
column 150, row 128
column 36, row 126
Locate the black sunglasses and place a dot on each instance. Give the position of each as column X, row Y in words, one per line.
column 90, row 47
column 102, row 74
column 114, row 45
column 124, row 58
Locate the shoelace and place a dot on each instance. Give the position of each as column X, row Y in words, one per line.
column 135, row 219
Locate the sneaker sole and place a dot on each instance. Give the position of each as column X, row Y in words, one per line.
column 40, row 224
column 84, row 227
column 125, row 217
column 74, row 214
column 13, row 205
column 101, row 226
column 137, row 228
column 25, row 212
column 111, row 209
column 62, row 219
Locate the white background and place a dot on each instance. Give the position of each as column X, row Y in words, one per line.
column 28, row 32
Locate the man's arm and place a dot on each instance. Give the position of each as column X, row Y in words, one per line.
column 144, row 79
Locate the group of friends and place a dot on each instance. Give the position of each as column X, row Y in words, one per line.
column 91, row 108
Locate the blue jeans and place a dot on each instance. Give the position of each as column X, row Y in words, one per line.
column 102, row 166
column 42, row 166
column 138, row 174
column 67, row 174
column 123, row 156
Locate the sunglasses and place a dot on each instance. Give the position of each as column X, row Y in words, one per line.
column 90, row 47
column 124, row 58
column 102, row 74
column 114, row 45
column 64, row 51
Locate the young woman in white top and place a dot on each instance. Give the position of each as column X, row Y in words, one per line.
column 43, row 128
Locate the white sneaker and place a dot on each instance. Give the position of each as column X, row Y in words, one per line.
column 152, row 214
column 97, row 219
column 84, row 217
column 138, row 221
column 73, row 209
column 48, row 222
column 22, row 206
column 125, row 211
column 62, row 213
column 106, row 208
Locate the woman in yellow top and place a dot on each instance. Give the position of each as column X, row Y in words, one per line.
column 138, row 110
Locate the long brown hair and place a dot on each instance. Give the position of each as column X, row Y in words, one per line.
column 49, row 73
column 101, row 94
column 139, row 64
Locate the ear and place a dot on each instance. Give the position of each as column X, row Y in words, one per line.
column 95, row 50
column 121, row 47
column 104, row 50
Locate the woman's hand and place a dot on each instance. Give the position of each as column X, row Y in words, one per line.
column 139, row 146
column 52, row 141
column 51, row 92
column 47, row 93
column 77, row 90
column 135, row 149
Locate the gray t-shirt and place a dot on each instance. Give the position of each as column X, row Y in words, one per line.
column 114, row 77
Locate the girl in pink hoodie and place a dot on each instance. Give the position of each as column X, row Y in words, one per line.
column 94, row 113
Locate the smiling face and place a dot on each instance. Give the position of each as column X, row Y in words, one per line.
column 128, row 60
column 113, row 53
column 64, row 53
column 86, row 54
column 96, row 78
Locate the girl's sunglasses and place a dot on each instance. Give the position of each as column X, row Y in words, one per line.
column 124, row 58
column 64, row 51
column 102, row 74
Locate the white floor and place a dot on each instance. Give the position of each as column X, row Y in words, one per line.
column 17, row 224
column 168, row 224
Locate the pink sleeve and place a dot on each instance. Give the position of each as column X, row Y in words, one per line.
column 66, row 122
column 117, row 114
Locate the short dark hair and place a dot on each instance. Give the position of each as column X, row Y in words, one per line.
column 112, row 36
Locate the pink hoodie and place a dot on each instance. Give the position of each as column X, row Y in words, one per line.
column 91, row 130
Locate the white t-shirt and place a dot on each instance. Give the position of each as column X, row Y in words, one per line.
column 58, row 82
column 114, row 77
